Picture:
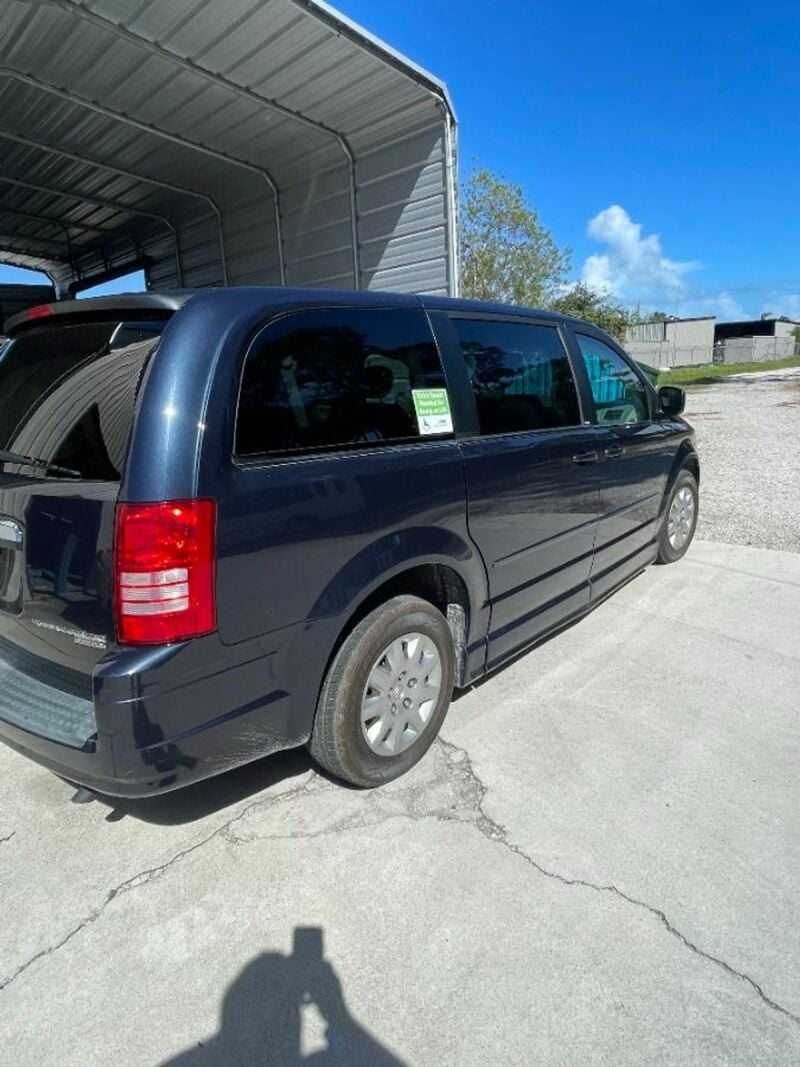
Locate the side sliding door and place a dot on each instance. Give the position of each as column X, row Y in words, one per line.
column 531, row 468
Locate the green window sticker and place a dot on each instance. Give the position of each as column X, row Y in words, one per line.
column 433, row 410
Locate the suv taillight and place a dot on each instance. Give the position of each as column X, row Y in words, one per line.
column 164, row 564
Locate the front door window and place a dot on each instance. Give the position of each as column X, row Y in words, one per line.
column 619, row 394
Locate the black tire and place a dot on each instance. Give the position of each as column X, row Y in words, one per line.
column 667, row 553
column 337, row 741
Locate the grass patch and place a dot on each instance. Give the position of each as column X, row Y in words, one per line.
column 689, row 376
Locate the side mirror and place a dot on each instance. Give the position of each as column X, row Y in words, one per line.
column 672, row 400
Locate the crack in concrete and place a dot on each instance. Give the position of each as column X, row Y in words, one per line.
column 499, row 834
column 146, row 876
column 412, row 803
column 470, row 811
column 8, row 837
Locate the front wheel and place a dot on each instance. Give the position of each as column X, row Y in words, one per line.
column 386, row 693
column 680, row 519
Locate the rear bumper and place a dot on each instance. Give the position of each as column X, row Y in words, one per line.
column 149, row 774
column 82, row 767
column 166, row 717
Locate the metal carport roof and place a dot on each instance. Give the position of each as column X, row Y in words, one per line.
column 221, row 142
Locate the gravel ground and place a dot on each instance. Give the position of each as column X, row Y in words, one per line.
column 748, row 436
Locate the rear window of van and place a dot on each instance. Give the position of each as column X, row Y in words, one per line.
column 68, row 392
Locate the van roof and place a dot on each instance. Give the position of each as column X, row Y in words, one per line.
column 171, row 301
column 490, row 307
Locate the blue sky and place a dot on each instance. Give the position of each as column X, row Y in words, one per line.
column 660, row 139
column 685, row 115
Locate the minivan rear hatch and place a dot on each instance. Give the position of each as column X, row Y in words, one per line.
column 68, row 389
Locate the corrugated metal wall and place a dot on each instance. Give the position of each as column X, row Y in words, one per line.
column 221, row 142
column 684, row 333
column 680, row 332
column 785, row 329
column 653, row 332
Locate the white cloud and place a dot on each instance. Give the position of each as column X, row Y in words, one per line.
column 722, row 304
column 633, row 268
column 787, row 304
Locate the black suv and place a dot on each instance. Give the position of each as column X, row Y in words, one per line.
column 234, row 521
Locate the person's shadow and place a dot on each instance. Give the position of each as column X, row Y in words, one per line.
column 263, row 1012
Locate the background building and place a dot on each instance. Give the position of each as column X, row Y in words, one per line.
column 672, row 342
column 694, row 342
column 752, row 340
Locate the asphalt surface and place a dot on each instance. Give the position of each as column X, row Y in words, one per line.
column 748, row 434
column 598, row 864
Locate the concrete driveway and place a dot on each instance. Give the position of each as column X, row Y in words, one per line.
column 599, row 864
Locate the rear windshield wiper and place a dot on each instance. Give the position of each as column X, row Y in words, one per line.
column 33, row 461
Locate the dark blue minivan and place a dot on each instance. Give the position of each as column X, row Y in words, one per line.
column 234, row 521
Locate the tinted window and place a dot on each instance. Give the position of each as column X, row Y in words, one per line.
column 67, row 393
column 520, row 375
column 619, row 394
column 336, row 377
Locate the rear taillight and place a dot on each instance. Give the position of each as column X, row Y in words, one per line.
column 164, row 564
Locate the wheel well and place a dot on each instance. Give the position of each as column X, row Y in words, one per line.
column 439, row 585
column 692, row 464
column 689, row 462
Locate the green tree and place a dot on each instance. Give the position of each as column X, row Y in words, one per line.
column 584, row 303
column 507, row 254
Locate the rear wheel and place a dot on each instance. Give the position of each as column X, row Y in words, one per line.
column 680, row 519
column 386, row 693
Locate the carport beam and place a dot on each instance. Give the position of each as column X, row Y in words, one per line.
column 19, row 139
column 247, row 94
column 114, row 205
column 173, row 138
column 67, row 226
column 9, row 72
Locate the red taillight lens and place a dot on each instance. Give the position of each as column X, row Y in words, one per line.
column 164, row 564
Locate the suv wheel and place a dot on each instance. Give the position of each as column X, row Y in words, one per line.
column 680, row 519
column 386, row 693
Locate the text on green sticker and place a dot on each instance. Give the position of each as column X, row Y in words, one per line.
column 431, row 402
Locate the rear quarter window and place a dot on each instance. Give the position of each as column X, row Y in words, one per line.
column 335, row 378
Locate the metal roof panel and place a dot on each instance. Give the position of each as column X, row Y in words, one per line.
column 171, row 122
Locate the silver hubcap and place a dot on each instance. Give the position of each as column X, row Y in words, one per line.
column 401, row 694
column 681, row 517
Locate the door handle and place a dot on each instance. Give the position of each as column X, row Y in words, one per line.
column 613, row 451
column 589, row 456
